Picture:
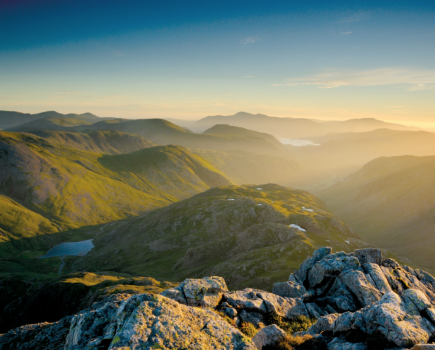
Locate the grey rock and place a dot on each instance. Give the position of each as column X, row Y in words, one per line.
column 324, row 323
column 175, row 294
column 246, row 299
column 314, row 311
column 289, row 289
column 369, row 255
column 424, row 347
column 356, row 282
column 378, row 277
column 289, row 308
column 330, row 310
column 268, row 336
column 338, row 344
column 149, row 321
column 301, row 273
column 331, row 266
column 207, row 291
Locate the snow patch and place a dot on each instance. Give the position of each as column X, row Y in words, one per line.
column 297, row 142
column 347, row 242
column 298, row 227
column 306, row 209
column 231, row 199
column 260, row 189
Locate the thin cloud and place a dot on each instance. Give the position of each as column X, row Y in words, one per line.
column 249, row 40
column 356, row 17
column 346, row 33
column 410, row 78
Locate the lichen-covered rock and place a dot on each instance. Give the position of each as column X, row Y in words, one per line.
column 175, row 294
column 390, row 317
column 246, row 299
column 339, row 344
column 268, row 336
column 301, row 273
column 288, row 308
column 252, row 317
column 150, row 321
column 424, row 347
column 207, row 291
column 357, row 283
column 47, row 336
column 378, row 277
column 289, row 289
column 331, row 266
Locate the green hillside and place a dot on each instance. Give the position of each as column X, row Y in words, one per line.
column 50, row 123
column 46, row 187
column 239, row 232
column 391, row 204
column 99, row 141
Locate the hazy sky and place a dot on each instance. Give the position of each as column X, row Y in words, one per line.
column 189, row 59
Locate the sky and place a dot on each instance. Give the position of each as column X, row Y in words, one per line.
column 331, row 60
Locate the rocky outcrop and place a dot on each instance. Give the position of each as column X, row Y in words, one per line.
column 355, row 301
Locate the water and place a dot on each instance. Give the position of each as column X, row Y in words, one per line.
column 298, row 142
column 70, row 248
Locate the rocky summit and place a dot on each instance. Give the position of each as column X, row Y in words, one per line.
column 333, row 301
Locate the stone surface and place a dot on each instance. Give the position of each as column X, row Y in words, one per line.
column 301, row 273
column 369, row 255
column 206, row 292
column 150, row 321
column 289, row 289
column 246, row 299
column 289, row 308
column 357, row 283
column 268, row 336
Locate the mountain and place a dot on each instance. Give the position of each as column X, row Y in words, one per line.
column 243, row 233
column 99, row 141
column 298, row 128
column 391, row 203
column 46, row 187
column 163, row 132
column 10, row 119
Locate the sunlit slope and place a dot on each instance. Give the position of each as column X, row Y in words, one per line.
column 9, row 119
column 391, row 203
column 98, row 141
column 243, row 167
column 360, row 148
column 74, row 188
column 239, row 232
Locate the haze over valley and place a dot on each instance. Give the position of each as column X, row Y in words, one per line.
column 203, row 175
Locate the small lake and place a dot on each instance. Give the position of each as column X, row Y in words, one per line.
column 70, row 248
column 298, row 142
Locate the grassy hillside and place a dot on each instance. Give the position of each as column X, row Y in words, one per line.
column 239, row 232
column 99, row 141
column 46, row 187
column 9, row 119
column 391, row 204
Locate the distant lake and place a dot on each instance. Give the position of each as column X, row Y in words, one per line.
column 298, row 142
column 70, row 248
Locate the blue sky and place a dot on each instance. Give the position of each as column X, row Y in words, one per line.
column 187, row 60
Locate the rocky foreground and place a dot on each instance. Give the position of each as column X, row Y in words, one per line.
column 333, row 301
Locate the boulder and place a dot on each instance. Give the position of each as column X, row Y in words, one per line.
column 369, row 255
column 150, row 321
column 324, row 323
column 378, row 277
column 252, row 317
column 205, row 292
column 339, row 344
column 289, row 289
column 268, row 336
column 302, row 272
column 424, row 347
column 246, row 299
column 175, row 294
column 357, row 283
column 288, row 308
column 331, row 266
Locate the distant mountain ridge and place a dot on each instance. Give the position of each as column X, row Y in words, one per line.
column 10, row 119
column 299, row 128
